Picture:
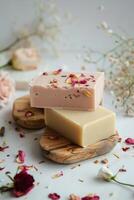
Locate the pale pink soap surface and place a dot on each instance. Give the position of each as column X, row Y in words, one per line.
column 68, row 90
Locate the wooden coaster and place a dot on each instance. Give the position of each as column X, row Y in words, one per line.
column 27, row 116
column 59, row 149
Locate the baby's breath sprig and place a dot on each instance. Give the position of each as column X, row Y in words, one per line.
column 119, row 71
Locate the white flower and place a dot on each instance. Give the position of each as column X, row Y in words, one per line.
column 104, row 25
column 110, row 31
column 105, row 174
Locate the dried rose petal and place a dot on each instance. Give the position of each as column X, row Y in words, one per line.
column 84, row 81
column 56, row 72
column 3, row 148
column 73, row 82
column 125, row 149
column 21, row 132
column 54, row 196
column 45, row 73
column 91, row 197
column 75, row 79
column 22, row 135
column 29, row 114
column 20, row 158
column 72, row 79
column 96, row 161
column 104, row 161
column 23, row 183
column 59, row 174
column 25, row 167
column 73, row 76
column 82, row 75
column 74, row 197
column 130, row 141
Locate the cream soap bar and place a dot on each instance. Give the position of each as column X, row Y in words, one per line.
column 73, row 91
column 25, row 59
column 82, row 127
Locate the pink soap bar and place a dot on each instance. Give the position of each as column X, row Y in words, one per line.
column 67, row 90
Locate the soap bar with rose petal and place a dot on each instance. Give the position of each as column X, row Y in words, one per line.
column 82, row 127
column 67, row 90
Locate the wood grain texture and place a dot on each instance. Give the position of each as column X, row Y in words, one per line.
column 26, row 116
column 61, row 150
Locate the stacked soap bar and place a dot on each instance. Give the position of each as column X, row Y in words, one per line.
column 82, row 127
column 72, row 105
column 74, row 91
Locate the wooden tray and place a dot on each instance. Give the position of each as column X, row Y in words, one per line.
column 26, row 116
column 61, row 150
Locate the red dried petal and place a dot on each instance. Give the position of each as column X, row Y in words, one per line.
column 130, row 141
column 3, row 148
column 54, row 196
column 84, row 81
column 23, row 183
column 94, row 197
column 125, row 149
column 73, row 82
column 20, row 158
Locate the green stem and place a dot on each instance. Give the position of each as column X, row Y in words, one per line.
column 122, row 183
column 10, row 177
column 6, row 188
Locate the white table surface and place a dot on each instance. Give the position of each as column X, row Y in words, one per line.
column 69, row 182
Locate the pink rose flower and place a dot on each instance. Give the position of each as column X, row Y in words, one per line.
column 7, row 88
column 21, row 184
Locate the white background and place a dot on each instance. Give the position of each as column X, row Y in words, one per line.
column 82, row 31
column 86, row 16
